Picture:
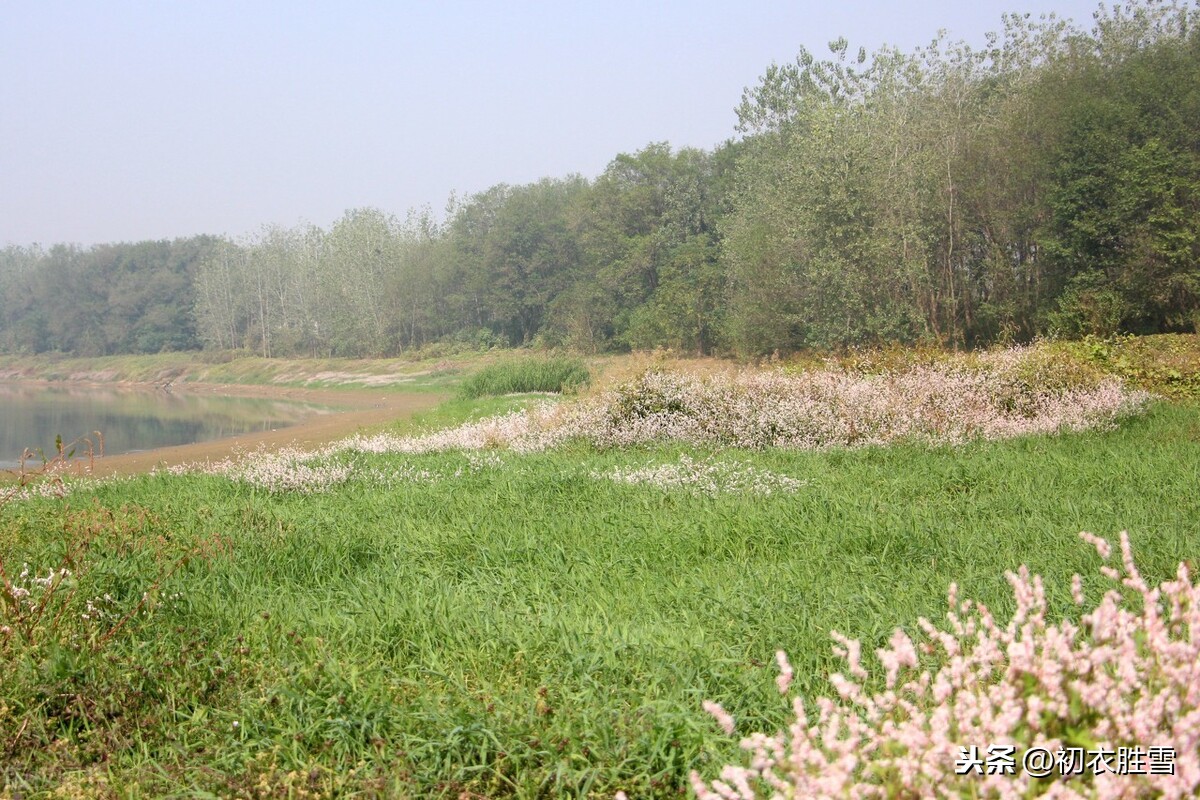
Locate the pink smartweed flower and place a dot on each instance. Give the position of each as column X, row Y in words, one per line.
column 784, row 681
column 1122, row 685
column 722, row 716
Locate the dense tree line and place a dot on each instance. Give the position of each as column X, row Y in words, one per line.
column 112, row 298
column 1048, row 182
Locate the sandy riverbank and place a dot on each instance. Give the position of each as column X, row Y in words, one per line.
column 354, row 409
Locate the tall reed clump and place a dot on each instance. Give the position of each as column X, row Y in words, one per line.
column 519, row 375
column 962, row 710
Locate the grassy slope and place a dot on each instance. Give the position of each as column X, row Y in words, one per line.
column 532, row 630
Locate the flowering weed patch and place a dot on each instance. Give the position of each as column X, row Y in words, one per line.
column 995, row 396
column 523, row 431
column 1016, row 392
column 57, row 489
column 707, row 477
column 295, row 471
column 939, row 404
column 285, row 470
column 1124, row 681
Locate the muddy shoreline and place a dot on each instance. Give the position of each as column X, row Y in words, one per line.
column 352, row 409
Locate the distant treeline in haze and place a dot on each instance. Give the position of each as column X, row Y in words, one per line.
column 1046, row 183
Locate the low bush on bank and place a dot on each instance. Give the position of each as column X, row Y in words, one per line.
column 521, row 375
column 1168, row 364
column 1015, row 392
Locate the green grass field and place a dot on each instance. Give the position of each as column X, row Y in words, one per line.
column 514, row 625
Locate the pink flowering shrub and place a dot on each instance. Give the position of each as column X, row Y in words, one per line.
column 997, row 395
column 992, row 396
column 943, row 404
column 1126, row 679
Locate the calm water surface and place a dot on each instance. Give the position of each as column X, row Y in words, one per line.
column 31, row 415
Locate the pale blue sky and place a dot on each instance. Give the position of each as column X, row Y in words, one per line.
column 139, row 120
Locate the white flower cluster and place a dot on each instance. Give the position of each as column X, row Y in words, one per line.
column 294, row 470
column 531, row 430
column 286, row 470
column 27, row 590
column 100, row 608
column 48, row 488
column 706, row 477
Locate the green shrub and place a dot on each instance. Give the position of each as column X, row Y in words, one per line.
column 540, row 374
column 1167, row 364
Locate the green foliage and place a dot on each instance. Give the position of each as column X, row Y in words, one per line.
column 1088, row 306
column 516, row 253
column 1167, row 365
column 1124, row 201
column 525, row 629
column 526, row 374
column 112, row 298
column 1047, row 182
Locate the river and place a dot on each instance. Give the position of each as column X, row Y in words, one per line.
column 130, row 419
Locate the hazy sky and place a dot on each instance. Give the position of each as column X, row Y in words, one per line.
column 122, row 121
